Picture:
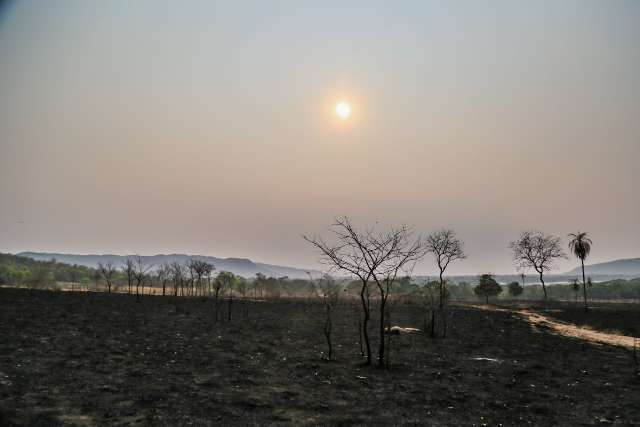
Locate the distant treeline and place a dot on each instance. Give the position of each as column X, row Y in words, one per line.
column 529, row 279
column 610, row 290
column 22, row 271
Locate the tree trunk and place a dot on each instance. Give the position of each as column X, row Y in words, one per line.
column 365, row 323
column 441, row 291
column 584, row 287
column 433, row 323
column 216, row 304
column 360, row 335
column 383, row 303
column 327, row 332
column 389, row 335
column 544, row 289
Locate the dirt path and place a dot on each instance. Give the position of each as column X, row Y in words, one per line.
column 569, row 329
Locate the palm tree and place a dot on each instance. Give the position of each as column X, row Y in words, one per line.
column 580, row 245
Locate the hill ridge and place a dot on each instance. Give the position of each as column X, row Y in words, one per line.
column 626, row 266
column 236, row 265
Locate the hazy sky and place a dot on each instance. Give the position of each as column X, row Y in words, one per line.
column 207, row 127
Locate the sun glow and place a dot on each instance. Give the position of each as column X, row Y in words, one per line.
column 343, row 110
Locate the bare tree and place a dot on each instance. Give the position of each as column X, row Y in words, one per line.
column 446, row 248
column 177, row 276
column 96, row 276
column 242, row 289
column 209, row 269
column 164, row 275
column 329, row 292
column 430, row 295
column 200, row 270
column 371, row 256
column 140, row 274
column 107, row 271
column 73, row 276
column 357, row 312
column 271, row 286
column 224, row 280
column 231, row 284
column 258, row 285
column 190, row 267
column 128, row 269
column 39, row 277
column 537, row 250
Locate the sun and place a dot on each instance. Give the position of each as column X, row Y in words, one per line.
column 343, row 110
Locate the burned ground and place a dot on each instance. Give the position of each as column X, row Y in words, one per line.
column 621, row 318
column 73, row 358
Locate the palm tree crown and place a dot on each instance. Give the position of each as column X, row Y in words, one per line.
column 580, row 245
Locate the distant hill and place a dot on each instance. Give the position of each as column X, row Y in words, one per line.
column 240, row 266
column 627, row 267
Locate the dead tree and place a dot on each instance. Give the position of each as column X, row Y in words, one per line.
column 140, row 274
column 537, row 250
column 208, row 271
column 176, row 270
column 164, row 275
column 241, row 288
column 389, row 334
column 224, row 281
column 74, row 277
column 358, row 314
column 371, row 256
column 430, row 295
column 107, row 271
column 192, row 276
column 230, row 286
column 446, row 248
column 329, row 292
column 128, row 269
column 218, row 285
column 96, row 280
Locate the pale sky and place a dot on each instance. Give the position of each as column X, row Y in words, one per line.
column 207, row 127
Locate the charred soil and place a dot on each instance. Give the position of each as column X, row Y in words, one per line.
column 99, row 359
